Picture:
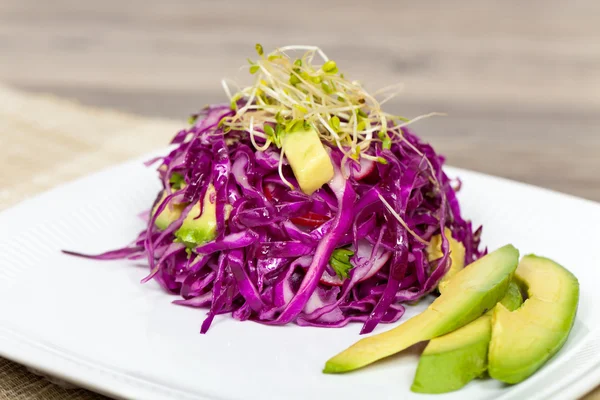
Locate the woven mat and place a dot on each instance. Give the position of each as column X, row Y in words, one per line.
column 45, row 141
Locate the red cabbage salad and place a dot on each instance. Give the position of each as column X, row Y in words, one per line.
column 301, row 201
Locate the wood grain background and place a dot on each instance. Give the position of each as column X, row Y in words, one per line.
column 520, row 80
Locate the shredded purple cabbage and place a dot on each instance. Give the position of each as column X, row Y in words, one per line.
column 265, row 267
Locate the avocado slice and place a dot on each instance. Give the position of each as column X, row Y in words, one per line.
column 197, row 229
column 472, row 292
column 451, row 361
column 170, row 214
column 523, row 340
column 308, row 158
column 457, row 256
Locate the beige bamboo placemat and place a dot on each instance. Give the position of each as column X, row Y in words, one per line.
column 45, row 141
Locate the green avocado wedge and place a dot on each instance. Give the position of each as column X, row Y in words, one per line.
column 523, row 340
column 472, row 291
column 451, row 361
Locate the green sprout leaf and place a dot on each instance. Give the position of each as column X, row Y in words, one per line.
column 279, row 117
column 294, row 80
column 334, row 122
column 259, row 49
column 270, row 132
column 340, row 262
column 330, row 67
column 387, row 143
column 326, row 88
column 300, row 108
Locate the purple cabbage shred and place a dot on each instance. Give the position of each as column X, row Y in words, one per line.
column 267, row 264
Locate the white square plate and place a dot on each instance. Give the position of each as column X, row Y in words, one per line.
column 92, row 323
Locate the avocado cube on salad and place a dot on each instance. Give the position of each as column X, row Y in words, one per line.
column 197, row 228
column 308, row 158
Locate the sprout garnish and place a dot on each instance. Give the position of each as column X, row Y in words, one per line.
column 288, row 92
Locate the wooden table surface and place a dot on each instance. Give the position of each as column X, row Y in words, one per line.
column 519, row 80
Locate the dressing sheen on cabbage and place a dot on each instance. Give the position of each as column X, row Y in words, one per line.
column 238, row 235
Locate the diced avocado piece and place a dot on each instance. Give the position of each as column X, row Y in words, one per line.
column 451, row 361
column 523, row 340
column 308, row 158
column 169, row 214
column 457, row 256
column 473, row 291
column 197, row 229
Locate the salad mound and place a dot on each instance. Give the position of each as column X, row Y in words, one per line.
column 301, row 201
